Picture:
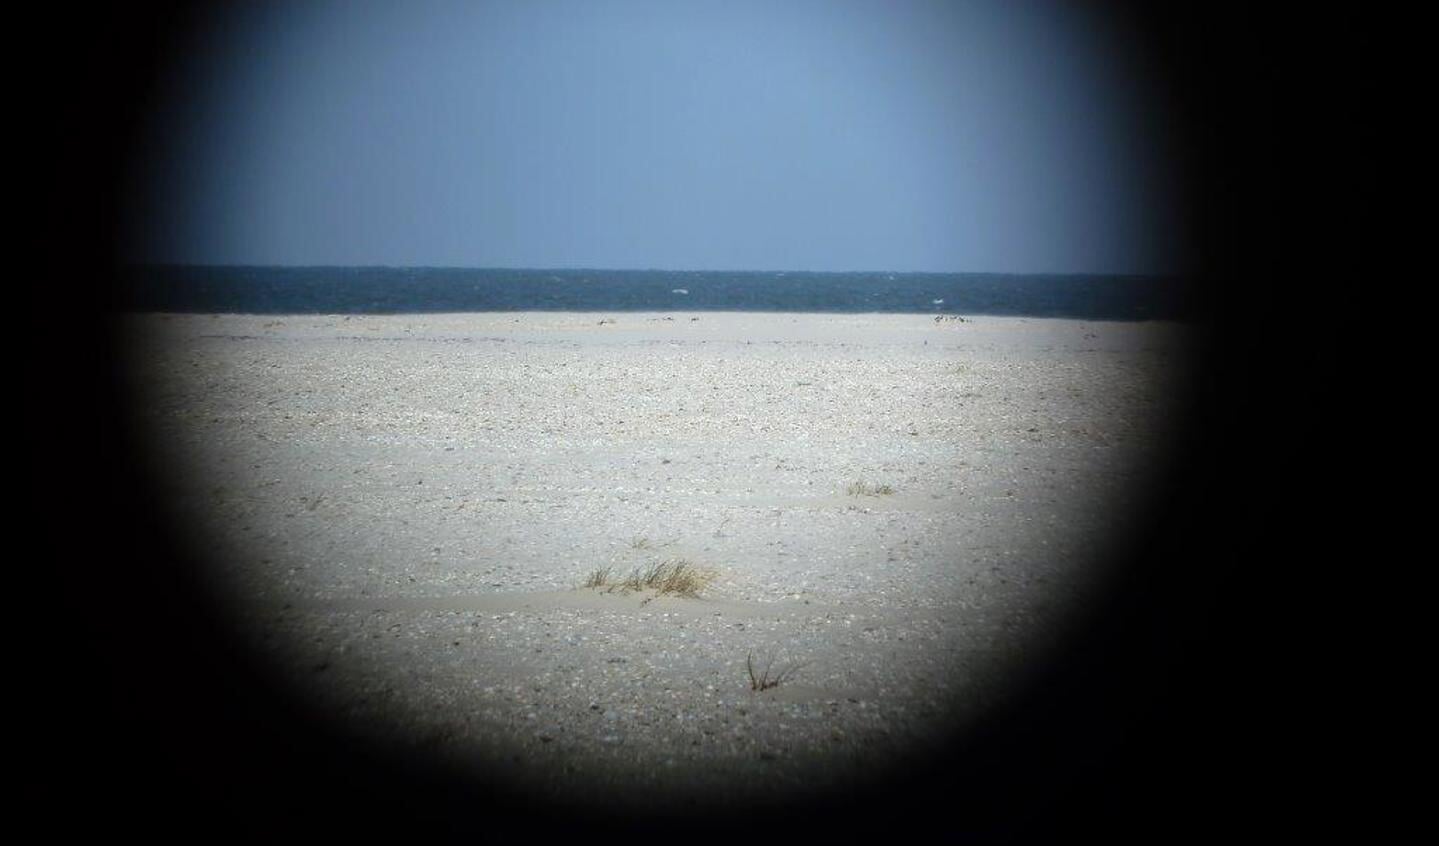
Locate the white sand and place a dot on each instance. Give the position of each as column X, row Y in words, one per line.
column 403, row 507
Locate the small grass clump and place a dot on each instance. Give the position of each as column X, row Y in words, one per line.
column 676, row 576
column 863, row 488
column 764, row 681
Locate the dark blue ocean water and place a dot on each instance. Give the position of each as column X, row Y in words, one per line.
column 390, row 290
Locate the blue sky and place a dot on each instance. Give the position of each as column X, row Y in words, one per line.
column 838, row 135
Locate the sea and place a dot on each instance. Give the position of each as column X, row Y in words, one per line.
column 400, row 290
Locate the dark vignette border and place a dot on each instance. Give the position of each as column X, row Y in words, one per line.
column 1184, row 712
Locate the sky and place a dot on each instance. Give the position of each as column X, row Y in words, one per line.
column 824, row 136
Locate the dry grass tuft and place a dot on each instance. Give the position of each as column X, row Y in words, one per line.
column 764, row 681
column 676, row 576
column 863, row 488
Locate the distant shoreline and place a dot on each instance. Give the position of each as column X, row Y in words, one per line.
column 143, row 265
column 234, row 289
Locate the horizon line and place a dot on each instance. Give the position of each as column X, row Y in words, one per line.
column 1137, row 274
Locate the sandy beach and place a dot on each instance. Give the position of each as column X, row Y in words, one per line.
column 899, row 512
